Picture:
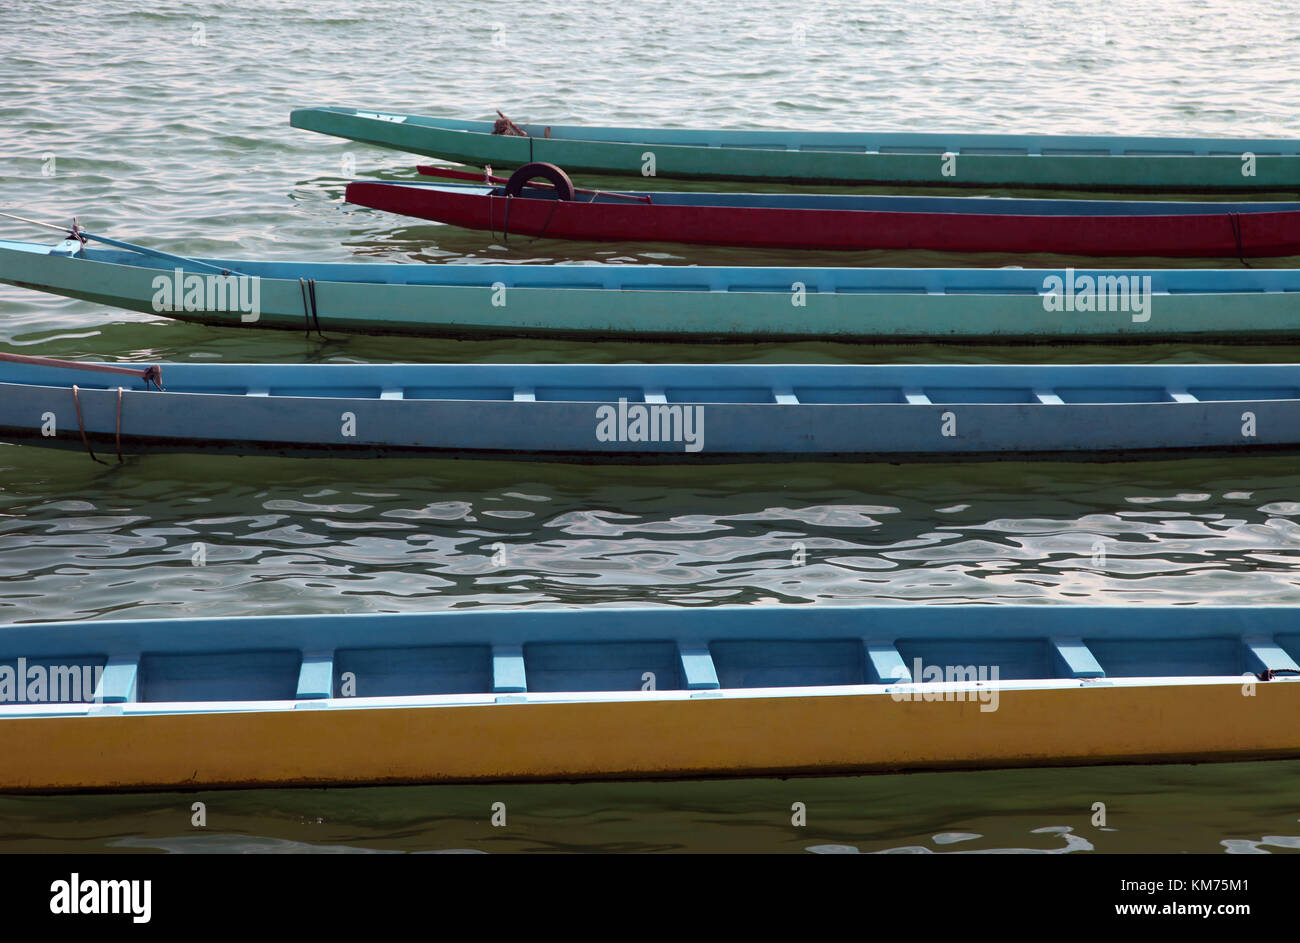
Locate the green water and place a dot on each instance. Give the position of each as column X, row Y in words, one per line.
column 113, row 112
column 1244, row 808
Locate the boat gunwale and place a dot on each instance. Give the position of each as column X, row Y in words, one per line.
column 645, row 136
column 819, row 280
column 999, row 207
column 894, row 689
column 683, row 631
column 1169, row 377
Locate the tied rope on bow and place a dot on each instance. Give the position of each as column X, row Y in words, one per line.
column 152, row 376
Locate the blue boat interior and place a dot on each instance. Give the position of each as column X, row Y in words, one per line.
column 486, row 654
column 977, row 205
column 14, row 259
column 754, row 384
column 862, row 142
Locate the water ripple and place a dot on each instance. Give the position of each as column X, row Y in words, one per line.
column 182, row 535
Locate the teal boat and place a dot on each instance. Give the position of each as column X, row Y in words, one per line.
column 645, row 302
column 1056, row 162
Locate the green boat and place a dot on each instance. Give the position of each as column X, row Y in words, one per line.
column 1057, row 162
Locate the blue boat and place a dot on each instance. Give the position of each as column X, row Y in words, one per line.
column 633, row 413
column 673, row 302
column 461, row 696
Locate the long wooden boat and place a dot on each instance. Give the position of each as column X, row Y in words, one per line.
column 635, row 413
column 486, row 695
column 674, row 302
column 821, row 221
column 830, row 157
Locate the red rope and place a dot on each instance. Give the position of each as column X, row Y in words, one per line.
column 151, row 374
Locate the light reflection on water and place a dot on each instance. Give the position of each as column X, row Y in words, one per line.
column 393, row 536
column 1073, row 843
column 1219, row 808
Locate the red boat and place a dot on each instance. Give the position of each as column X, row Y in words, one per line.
column 817, row 221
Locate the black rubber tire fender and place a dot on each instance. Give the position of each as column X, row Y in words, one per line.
column 548, row 172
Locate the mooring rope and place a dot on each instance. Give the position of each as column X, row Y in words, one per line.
column 76, row 401
column 547, row 224
column 309, row 313
column 505, row 226
column 1268, row 674
column 119, row 425
column 152, row 375
column 1234, row 220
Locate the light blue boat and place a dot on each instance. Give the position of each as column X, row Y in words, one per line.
column 615, row 692
column 634, row 413
column 674, row 302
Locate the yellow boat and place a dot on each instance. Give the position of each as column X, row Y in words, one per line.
column 635, row 693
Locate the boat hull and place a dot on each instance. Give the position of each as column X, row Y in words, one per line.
column 1222, row 232
column 693, row 303
column 882, row 159
column 636, row 693
column 754, row 736
column 665, row 413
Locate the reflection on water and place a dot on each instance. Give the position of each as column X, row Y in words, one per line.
column 1244, row 846
column 1204, row 809
column 1072, row 843
column 80, row 540
column 218, row 844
